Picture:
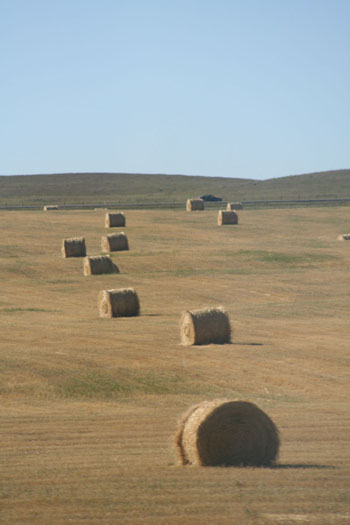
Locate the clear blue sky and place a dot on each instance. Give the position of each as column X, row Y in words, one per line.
column 233, row 88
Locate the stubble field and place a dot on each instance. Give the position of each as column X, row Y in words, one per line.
column 89, row 406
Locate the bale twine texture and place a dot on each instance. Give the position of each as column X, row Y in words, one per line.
column 205, row 326
column 113, row 220
column 234, row 206
column 344, row 237
column 227, row 433
column 98, row 265
column 194, row 205
column 227, row 217
column 50, row 207
column 74, row 247
column 118, row 303
column 114, row 242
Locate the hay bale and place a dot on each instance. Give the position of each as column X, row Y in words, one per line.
column 234, row 206
column 114, row 242
column 227, row 433
column 227, row 217
column 205, row 326
column 98, row 265
column 74, row 247
column 50, row 207
column 194, row 205
column 113, row 220
column 118, row 303
column 344, row 237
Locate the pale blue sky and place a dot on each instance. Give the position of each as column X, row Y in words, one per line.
column 233, row 88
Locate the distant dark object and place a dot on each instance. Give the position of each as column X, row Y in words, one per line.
column 210, row 198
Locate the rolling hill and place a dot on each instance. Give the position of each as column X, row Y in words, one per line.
column 108, row 188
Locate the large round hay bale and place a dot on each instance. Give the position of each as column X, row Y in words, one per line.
column 205, row 326
column 74, row 247
column 113, row 220
column 118, row 303
column 344, row 237
column 98, row 265
column 114, row 242
column 227, row 433
column 227, row 217
column 50, row 207
column 234, row 206
column 194, row 205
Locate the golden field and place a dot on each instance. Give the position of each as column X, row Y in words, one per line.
column 89, row 406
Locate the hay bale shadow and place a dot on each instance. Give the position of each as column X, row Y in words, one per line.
column 286, row 466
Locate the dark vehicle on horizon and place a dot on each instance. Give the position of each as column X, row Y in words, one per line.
column 210, row 198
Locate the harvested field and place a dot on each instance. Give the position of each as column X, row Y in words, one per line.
column 89, row 410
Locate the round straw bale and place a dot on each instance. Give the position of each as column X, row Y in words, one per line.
column 344, row 237
column 227, row 433
column 74, row 247
column 234, row 206
column 194, row 204
column 205, row 326
column 99, row 264
column 227, row 217
column 118, row 303
column 113, row 220
column 50, row 207
column 114, row 242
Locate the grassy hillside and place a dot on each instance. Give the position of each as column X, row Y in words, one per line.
column 100, row 188
column 89, row 406
column 327, row 184
column 111, row 188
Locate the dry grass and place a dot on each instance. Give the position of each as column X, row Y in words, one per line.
column 89, row 412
